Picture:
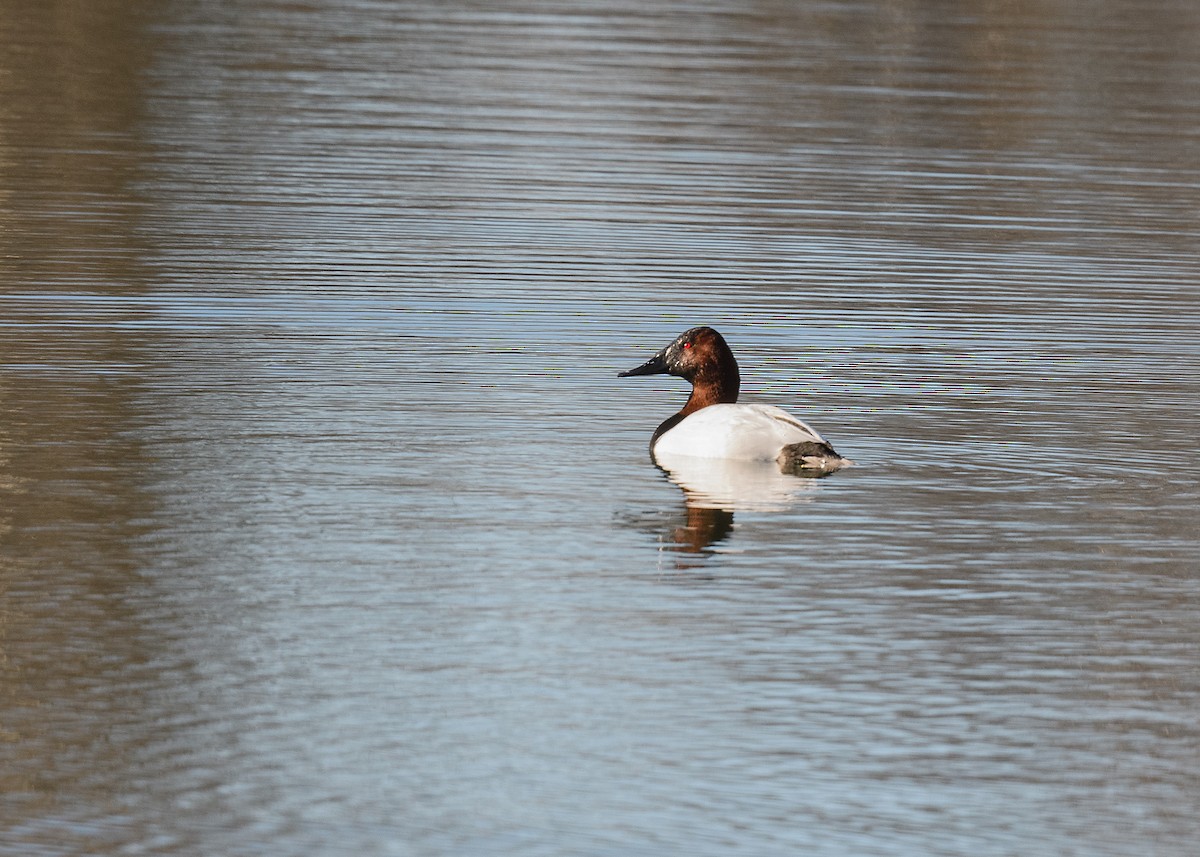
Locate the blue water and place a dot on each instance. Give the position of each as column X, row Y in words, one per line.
column 326, row 526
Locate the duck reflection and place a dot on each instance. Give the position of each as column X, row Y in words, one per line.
column 715, row 488
column 702, row 528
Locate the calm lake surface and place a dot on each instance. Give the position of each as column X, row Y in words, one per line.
column 326, row 527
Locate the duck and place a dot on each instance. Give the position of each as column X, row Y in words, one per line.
column 712, row 424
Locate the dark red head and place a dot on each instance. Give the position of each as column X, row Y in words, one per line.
column 700, row 356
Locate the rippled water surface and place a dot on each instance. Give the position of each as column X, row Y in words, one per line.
column 327, row 528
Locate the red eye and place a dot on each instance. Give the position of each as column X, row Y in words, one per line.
column 687, row 345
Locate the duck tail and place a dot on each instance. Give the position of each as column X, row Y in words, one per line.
column 810, row 458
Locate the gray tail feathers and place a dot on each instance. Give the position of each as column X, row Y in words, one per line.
column 810, row 458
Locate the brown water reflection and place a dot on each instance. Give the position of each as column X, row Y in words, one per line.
column 703, row 529
column 324, row 527
column 71, row 466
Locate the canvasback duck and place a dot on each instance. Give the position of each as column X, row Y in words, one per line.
column 712, row 424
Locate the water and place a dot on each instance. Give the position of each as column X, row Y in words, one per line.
column 327, row 528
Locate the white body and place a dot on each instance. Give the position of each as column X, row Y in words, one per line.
column 741, row 432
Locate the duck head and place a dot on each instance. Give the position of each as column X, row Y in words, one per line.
column 701, row 356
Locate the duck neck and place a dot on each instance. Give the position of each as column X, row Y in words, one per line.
column 713, row 388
